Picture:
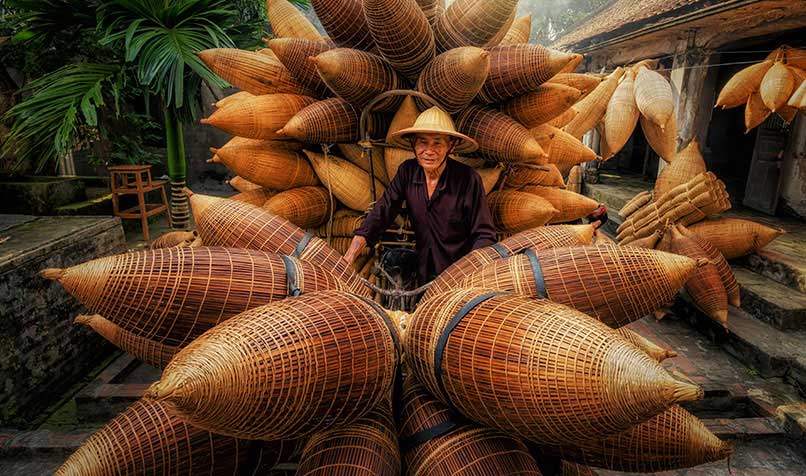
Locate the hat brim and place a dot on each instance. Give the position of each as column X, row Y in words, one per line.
column 400, row 139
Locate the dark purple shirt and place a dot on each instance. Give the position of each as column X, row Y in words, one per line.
column 455, row 221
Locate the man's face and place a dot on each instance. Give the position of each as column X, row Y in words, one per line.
column 431, row 150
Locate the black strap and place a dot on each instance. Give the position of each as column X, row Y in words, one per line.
column 500, row 249
column 302, row 244
column 291, row 275
column 386, row 320
column 537, row 272
column 409, row 442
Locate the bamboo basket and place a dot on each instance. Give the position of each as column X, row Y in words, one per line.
column 306, row 207
column 252, row 72
column 576, row 60
column 734, row 237
column 739, row 87
column 635, row 203
column 798, row 97
column 342, row 244
column 222, row 222
column 653, row 350
column 393, row 158
column 542, row 105
column 722, row 266
column 616, row 285
column 787, row 113
column 519, row 32
column 519, row 177
column 755, row 112
column 267, row 51
column 233, row 98
column 622, row 114
column 570, row 205
column 489, row 177
column 403, row 118
column 553, row 236
column 345, row 23
column 502, row 33
column 288, row 22
column 147, row 350
column 402, row 34
column 648, row 242
column 519, row 69
column 173, row 295
column 329, row 121
column 433, row 9
column 454, row 78
column 500, row 138
column 513, row 211
column 600, row 238
column 294, row 54
column 357, row 77
column 663, row 141
column 674, row 439
column 463, row 449
column 535, row 368
column 776, row 87
column 687, row 164
column 592, row 108
column 242, row 185
column 268, row 165
column 563, row 119
column 585, row 83
column 705, row 286
column 355, row 154
column 255, row 197
column 574, row 183
column 472, row 23
column 259, row 117
column 176, row 239
column 654, row 97
column 348, row 182
column 563, row 149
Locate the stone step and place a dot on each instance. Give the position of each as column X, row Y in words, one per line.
column 94, row 206
column 772, row 302
column 779, row 263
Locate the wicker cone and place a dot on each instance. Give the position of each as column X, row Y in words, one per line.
column 553, row 236
column 329, row 121
column 776, row 87
column 252, row 72
column 739, row 87
column 535, row 368
column 325, row 359
column 721, row 264
column 570, row 205
column 519, row 69
column 584, row 82
column 232, row 98
column 433, row 9
column 357, row 77
column 355, row 154
column 489, row 177
column 563, row 149
column 513, row 211
column 147, row 350
column 268, row 165
column 500, row 137
column 342, row 244
column 472, row 23
column 654, row 97
column 348, row 182
column 403, row 119
column 616, row 285
column 294, row 54
column 576, row 60
column 267, row 51
column 541, row 105
column 288, row 22
column 755, row 112
column 662, row 140
column 622, row 115
column 563, row 119
column 649, row 242
column 454, row 78
column 306, row 207
column 502, row 33
column 465, row 450
column 259, row 117
column 345, row 221
column 656, row 352
column 345, row 22
column 176, row 239
column 407, row 48
column 519, row 32
column 635, row 203
column 687, row 164
column 574, row 183
column 256, row 197
column 592, row 108
column 787, row 113
column 242, row 185
column 568, row 468
column 734, row 237
column 520, row 177
column 798, row 97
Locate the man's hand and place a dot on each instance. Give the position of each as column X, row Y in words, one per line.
column 358, row 244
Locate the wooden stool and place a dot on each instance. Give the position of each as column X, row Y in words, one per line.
column 136, row 180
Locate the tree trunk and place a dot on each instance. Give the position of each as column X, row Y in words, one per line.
column 175, row 142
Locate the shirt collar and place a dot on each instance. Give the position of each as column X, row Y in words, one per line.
column 419, row 175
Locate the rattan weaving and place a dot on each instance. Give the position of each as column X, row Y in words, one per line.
column 357, row 77
column 472, row 23
column 574, row 183
column 622, row 114
column 518, row 177
column 500, row 137
column 519, row 69
column 705, row 285
column 653, row 96
column 252, row 72
column 591, row 109
column 232, row 98
column 513, row 211
column 355, row 154
column 454, row 78
column 663, row 141
column 635, row 203
column 330, row 121
column 688, row 163
column 734, row 237
column 722, row 266
column 433, row 9
column 519, row 32
column 147, row 350
column 755, row 112
column 563, row 149
column 242, row 185
column 348, row 182
column 653, row 350
column 563, row 119
column 259, row 117
column 306, row 207
column 584, row 82
column 268, row 164
column 345, row 22
column 542, row 105
column 741, row 85
column 294, row 54
column 256, row 197
column 648, row 242
column 287, row 21
column 570, row 205
column 777, row 86
column 173, row 239
column 402, row 34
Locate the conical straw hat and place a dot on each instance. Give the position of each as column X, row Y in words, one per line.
column 433, row 121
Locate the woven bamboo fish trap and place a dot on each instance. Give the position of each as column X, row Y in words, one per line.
column 306, row 207
column 519, row 32
column 222, row 222
column 553, row 236
column 267, row 51
column 326, row 359
column 472, row 23
column 294, row 54
column 288, row 22
column 585, row 83
column 176, row 239
column 777, row 86
column 563, row 149
column 653, row 350
column 348, row 182
column 576, row 60
column 232, row 98
column 649, row 242
column 454, row 78
column 519, row 177
column 601, row 238
column 721, row 264
column 366, row 447
column 433, row 9
column 252, row 72
column 734, row 237
column 563, row 119
column 268, row 165
column 592, row 108
column 622, row 114
column 787, row 113
column 403, row 118
column 798, row 98
column 342, row 244
column 144, row 349
column 345, row 221
column 675, row 439
column 519, row 69
column 355, row 154
column 687, row 164
column 535, row 368
column 513, row 211
column 574, row 183
column 616, row 285
column 755, row 112
column 256, row 197
column 456, row 448
column 742, row 84
column 329, row 121
column 402, row 34
column 242, row 185
column 705, row 286
column 489, row 177
column 568, row 468
column 357, row 77
column 259, row 117
column 345, row 22
column 662, row 140
column 570, row 205
column 500, row 137
column 174, row 295
column 635, row 203
column 502, row 33
column 542, row 105
column 653, row 96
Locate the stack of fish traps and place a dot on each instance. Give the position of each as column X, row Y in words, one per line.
column 518, row 358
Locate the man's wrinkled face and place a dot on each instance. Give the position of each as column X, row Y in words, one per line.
column 431, row 150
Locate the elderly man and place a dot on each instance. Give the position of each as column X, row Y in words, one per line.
column 445, row 198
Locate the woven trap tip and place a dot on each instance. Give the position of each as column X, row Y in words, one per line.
column 686, row 392
column 53, row 274
column 164, row 388
column 85, row 319
column 188, row 192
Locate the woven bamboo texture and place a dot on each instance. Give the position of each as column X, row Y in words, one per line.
column 635, row 203
column 348, row 182
column 536, row 369
column 502, row 33
column 269, row 165
column 259, row 117
column 777, row 86
column 267, row 51
column 687, row 164
column 519, row 32
column 256, row 197
column 402, row 34
column 653, row 96
column 287, row 21
column 663, row 141
column 330, row 121
column 294, row 54
column 570, row 205
column 592, row 108
column 357, row 77
column 242, row 185
column 563, row 149
column 734, row 237
column 147, row 350
column 705, row 286
column 342, row 244
column 721, row 264
column 616, row 285
column 653, row 350
column 576, row 60
column 513, row 211
column 489, row 177
column 798, row 98
column 393, row 158
column 252, row 72
column 454, row 78
column 325, row 359
column 306, row 207
column 472, row 23
column 787, row 113
column 622, row 114
column 345, row 23
column 574, row 183
column 403, row 118
column 355, row 154
column 600, row 238
column 755, row 112
column 519, row 177
column 553, row 236
column 584, row 82
column 519, row 69
column 433, row 9
column 176, row 239
column 500, row 137
column 648, row 242
column 542, row 105
column 232, row 98
column 563, row 119
column 741, row 85
column 467, row 450
column 568, row 468
column 230, row 223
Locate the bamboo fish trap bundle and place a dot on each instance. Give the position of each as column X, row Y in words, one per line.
column 519, row 32
column 147, row 350
column 500, row 137
column 487, row 354
column 336, row 366
column 288, row 22
column 328, row 121
column 686, row 165
column 454, row 78
column 722, row 266
column 174, row 239
column 306, row 207
column 348, row 182
column 519, row 69
column 656, row 352
column 357, row 77
column 739, row 87
column 513, row 211
column 345, row 23
column 734, row 237
column 407, row 49
column 268, row 164
column 777, row 86
column 592, row 108
column 241, row 184
column 259, row 117
column 570, row 205
column 253, row 72
column 294, row 54
column 653, row 96
column 616, row 285
column 355, row 154
column 472, row 23
column 635, row 203
column 255, row 197
column 622, row 114
column 547, row 175
column 542, row 105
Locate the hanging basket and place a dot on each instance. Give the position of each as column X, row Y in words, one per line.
column 654, row 97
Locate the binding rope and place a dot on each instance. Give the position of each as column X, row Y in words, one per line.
column 326, row 151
